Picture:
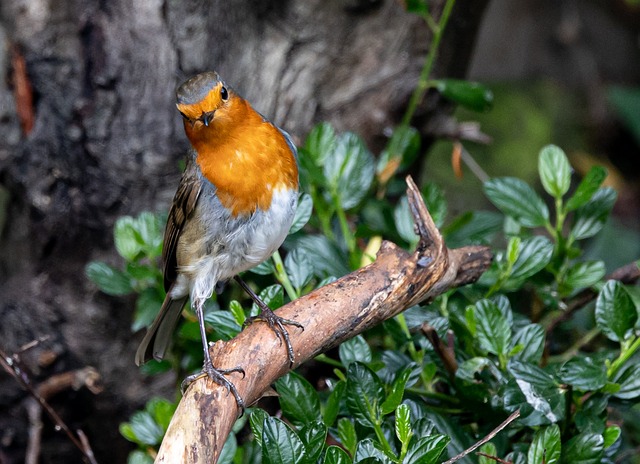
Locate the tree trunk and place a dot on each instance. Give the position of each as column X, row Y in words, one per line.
column 89, row 132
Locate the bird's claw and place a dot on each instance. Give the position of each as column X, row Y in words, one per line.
column 277, row 323
column 218, row 376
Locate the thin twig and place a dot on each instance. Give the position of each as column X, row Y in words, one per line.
column 495, row 458
column 491, row 434
column 10, row 364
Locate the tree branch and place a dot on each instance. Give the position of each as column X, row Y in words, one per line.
column 330, row 315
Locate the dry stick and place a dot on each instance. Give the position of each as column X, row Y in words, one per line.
column 491, row 434
column 495, row 458
column 9, row 363
column 330, row 315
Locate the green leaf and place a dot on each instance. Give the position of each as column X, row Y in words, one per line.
column 471, row 95
column 313, row 436
column 365, row 394
column 108, row 279
column 299, row 268
column 490, row 450
column 583, row 274
column 629, row 380
column 492, row 328
column 228, row 450
column 347, row 434
column 394, row 398
column 142, row 429
column 590, row 218
column 403, row 220
column 161, row 410
column 139, row 457
column 332, row 407
column 611, row 435
column 426, row 450
column 531, row 337
column 349, row 170
column 336, row 455
column 589, row 185
column 534, row 254
column 545, row 447
column 403, row 424
column 237, row 311
column 515, row 198
column 354, row 349
column 223, row 323
column 256, row 422
column 149, row 231
column 264, row 268
column 320, row 142
column 436, row 203
column 468, row 369
column 584, row 374
column 555, row 171
column 586, row 448
column 327, row 259
column 473, row 227
column 303, row 213
column 370, row 452
column 272, row 296
column 298, row 399
column 124, row 237
column 401, row 151
column 540, row 390
column 615, row 312
column 280, row 444
column 147, row 306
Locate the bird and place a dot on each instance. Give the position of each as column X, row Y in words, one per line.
column 232, row 210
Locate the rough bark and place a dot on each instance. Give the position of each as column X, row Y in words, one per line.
column 395, row 281
column 105, row 140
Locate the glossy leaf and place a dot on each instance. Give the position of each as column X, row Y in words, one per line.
column 590, row 218
column 490, row 450
column 534, row 254
column 493, row 330
column 401, row 150
column 369, row 448
column 584, row 374
column 546, row 446
column 586, row 448
column 540, row 390
column 347, row 434
column 256, row 423
column 589, row 185
column 629, row 380
column 555, row 171
column 336, row 455
column 142, row 429
column 426, row 450
column 320, row 142
column 332, row 407
column 299, row 268
column 471, row 95
column 313, row 436
column 365, row 394
column 354, row 349
column 473, row 227
column 403, row 423
column 327, row 259
column 583, row 274
column 515, row 198
column 615, row 312
column 298, row 399
column 148, row 304
column 303, row 213
column 280, row 444
column 223, row 323
column 531, row 337
column 394, row 398
column 228, row 450
column 611, row 435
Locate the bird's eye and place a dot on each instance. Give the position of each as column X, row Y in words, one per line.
column 223, row 93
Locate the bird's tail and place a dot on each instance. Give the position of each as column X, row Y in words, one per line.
column 159, row 335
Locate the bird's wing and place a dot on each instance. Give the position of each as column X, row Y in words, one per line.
column 184, row 203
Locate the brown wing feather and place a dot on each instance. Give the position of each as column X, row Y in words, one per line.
column 184, row 202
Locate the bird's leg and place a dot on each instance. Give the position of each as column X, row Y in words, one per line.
column 217, row 375
column 276, row 323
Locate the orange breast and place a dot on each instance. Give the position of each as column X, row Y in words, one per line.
column 246, row 158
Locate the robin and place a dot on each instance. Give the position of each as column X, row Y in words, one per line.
column 232, row 210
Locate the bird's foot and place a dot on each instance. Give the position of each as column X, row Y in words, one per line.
column 218, row 376
column 277, row 324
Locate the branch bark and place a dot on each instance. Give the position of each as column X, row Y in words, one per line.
column 330, row 315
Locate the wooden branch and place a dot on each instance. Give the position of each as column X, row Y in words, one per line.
column 330, row 315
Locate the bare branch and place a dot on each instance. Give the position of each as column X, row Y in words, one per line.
column 330, row 315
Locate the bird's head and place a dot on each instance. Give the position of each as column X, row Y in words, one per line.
column 206, row 104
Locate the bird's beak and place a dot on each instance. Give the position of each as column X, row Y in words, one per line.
column 207, row 117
